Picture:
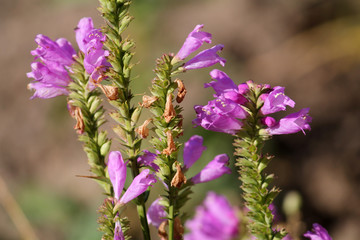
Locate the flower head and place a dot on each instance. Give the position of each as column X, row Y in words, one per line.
column 318, row 233
column 50, row 75
column 214, row 220
column 193, row 42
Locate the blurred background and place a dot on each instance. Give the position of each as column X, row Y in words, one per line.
column 312, row 47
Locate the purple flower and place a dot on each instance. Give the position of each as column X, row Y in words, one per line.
column 276, row 101
column 193, row 150
column 206, row 58
column 292, row 123
column 318, row 233
column 220, row 115
column 223, row 82
column 57, row 53
column 84, row 27
column 91, row 43
column 117, row 174
column 213, row 170
column 156, row 213
column 214, row 220
column 50, row 75
column 118, row 234
column 147, row 159
column 193, row 42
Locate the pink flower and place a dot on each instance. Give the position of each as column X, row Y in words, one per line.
column 216, row 219
column 193, row 42
column 206, row 58
column 292, row 123
column 213, row 170
column 117, row 174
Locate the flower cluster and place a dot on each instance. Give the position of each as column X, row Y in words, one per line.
column 229, row 108
column 51, row 73
column 205, row 58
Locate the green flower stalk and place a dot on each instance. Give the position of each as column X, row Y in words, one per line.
column 168, row 126
column 116, row 88
column 85, row 106
column 242, row 110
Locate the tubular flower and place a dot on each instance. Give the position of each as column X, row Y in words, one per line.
column 216, row 219
column 193, row 150
column 90, row 41
column 292, row 123
column 193, row 42
column 50, row 75
column 276, row 101
column 318, row 233
column 206, row 58
column 213, row 170
column 117, row 174
column 156, row 213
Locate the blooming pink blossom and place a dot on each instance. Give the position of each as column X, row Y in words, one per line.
column 193, row 42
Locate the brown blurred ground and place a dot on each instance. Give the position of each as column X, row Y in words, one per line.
column 311, row 47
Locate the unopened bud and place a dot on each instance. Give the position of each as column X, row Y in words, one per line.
column 148, row 101
column 170, row 144
column 169, row 112
column 110, row 92
column 181, row 91
column 179, row 177
column 143, row 130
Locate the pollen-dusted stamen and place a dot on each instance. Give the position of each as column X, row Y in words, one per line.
column 148, row 101
column 179, row 177
column 169, row 112
column 170, row 144
column 181, row 91
column 143, row 130
column 110, row 92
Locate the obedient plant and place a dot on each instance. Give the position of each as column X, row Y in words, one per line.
column 102, row 66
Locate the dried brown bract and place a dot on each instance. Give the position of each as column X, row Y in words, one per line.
column 169, row 112
column 181, row 91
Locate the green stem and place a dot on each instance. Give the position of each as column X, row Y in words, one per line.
column 141, row 209
column 140, row 203
column 171, row 220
